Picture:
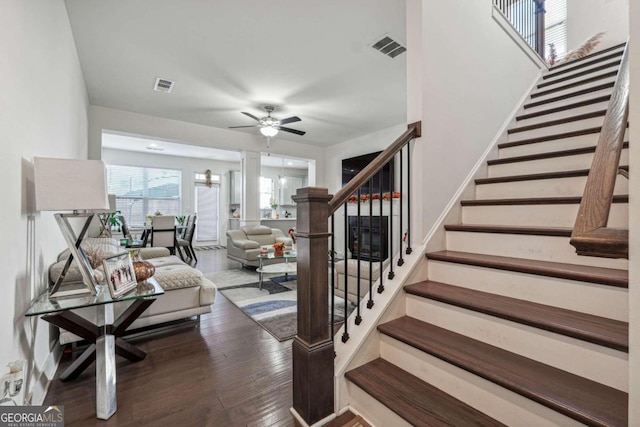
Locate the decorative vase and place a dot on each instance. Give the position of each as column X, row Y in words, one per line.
column 143, row 270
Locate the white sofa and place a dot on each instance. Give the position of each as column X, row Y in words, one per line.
column 244, row 245
column 352, row 279
column 187, row 292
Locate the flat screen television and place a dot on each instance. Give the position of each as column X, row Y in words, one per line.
column 353, row 165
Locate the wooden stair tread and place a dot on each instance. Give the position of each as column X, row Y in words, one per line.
column 554, row 137
column 569, row 95
column 585, row 61
column 598, row 330
column 533, row 176
column 504, row 229
column 596, row 100
column 571, row 119
column 419, row 403
column 577, row 397
column 583, row 273
column 602, row 67
column 590, row 79
column 536, row 201
column 548, row 155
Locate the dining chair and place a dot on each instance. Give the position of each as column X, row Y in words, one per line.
column 126, row 231
column 185, row 241
column 163, row 233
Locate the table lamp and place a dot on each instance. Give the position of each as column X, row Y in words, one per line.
column 78, row 188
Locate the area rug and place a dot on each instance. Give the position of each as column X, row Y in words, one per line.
column 274, row 307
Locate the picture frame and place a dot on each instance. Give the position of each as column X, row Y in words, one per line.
column 119, row 274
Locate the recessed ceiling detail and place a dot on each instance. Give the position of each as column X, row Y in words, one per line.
column 389, row 47
column 163, row 85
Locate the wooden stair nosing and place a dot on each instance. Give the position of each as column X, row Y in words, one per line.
column 416, row 401
column 571, row 119
column 576, row 397
column 585, row 327
column 574, row 84
column 505, row 229
column 590, row 60
column 536, row 201
column 569, row 95
column 566, row 107
column 580, row 74
column 533, row 177
column 547, row 155
column 554, row 137
column 582, row 273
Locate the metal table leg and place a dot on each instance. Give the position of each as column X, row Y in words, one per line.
column 106, row 403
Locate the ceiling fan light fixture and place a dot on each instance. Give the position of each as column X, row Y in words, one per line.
column 269, row 131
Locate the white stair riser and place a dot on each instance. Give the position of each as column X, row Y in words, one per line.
column 570, row 90
column 581, row 141
column 540, row 215
column 577, row 75
column 591, row 298
column 562, row 114
column 553, row 164
column 573, row 186
column 497, row 402
column 561, row 102
column 543, row 248
column 617, row 52
column 557, row 129
column 371, row 409
column 597, row 363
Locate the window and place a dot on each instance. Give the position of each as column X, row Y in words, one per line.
column 556, row 26
column 142, row 191
column 266, row 192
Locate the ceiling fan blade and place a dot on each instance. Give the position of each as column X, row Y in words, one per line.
column 237, row 127
column 251, row 115
column 296, row 131
column 290, row 120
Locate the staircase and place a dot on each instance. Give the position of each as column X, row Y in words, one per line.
column 512, row 327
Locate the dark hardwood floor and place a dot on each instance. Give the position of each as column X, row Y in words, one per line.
column 226, row 372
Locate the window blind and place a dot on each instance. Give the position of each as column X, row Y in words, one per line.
column 556, row 26
column 207, row 207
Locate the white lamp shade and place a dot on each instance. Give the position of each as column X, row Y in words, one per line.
column 269, row 131
column 70, row 184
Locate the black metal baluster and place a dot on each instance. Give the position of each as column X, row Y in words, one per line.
column 391, row 188
column 332, row 247
column 370, row 302
column 400, row 233
column 347, row 235
column 382, row 243
column 409, row 250
column 359, row 257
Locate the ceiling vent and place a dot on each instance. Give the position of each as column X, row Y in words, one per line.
column 389, row 47
column 163, row 85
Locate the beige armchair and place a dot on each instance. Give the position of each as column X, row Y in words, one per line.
column 244, row 245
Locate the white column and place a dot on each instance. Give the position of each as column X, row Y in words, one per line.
column 250, row 168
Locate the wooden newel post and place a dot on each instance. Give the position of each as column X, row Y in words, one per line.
column 313, row 356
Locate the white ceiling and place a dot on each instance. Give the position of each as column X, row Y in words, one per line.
column 154, row 146
column 308, row 58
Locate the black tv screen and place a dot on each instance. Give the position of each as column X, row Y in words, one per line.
column 353, row 165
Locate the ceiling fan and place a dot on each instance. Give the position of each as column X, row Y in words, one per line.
column 269, row 126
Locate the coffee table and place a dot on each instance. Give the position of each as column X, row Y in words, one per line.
column 285, row 267
column 104, row 335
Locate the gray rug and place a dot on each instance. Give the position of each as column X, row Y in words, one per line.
column 274, row 307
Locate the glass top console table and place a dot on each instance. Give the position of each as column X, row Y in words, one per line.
column 104, row 335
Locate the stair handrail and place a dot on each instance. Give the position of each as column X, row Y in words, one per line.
column 591, row 236
column 413, row 131
column 312, row 348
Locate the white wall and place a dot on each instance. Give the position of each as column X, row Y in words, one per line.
column 44, row 113
column 101, row 118
column 473, row 76
column 588, row 17
column 634, row 217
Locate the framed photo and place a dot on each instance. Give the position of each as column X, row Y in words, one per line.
column 119, row 274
